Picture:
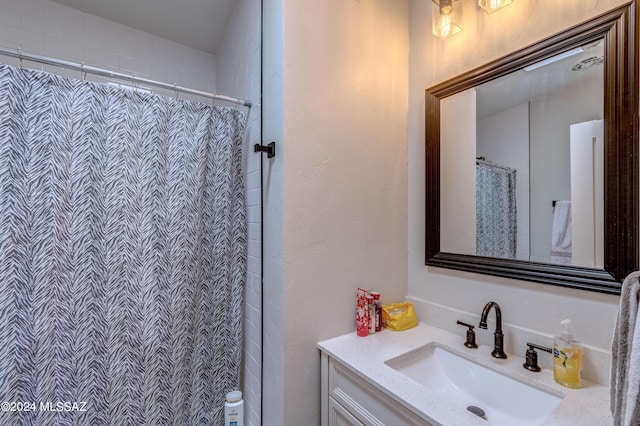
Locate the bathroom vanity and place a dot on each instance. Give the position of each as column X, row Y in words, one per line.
column 400, row 378
column 351, row 400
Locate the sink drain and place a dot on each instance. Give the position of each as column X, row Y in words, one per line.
column 477, row 411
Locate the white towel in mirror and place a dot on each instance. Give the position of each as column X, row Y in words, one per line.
column 561, row 233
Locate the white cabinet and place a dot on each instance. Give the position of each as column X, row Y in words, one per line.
column 348, row 399
column 339, row 416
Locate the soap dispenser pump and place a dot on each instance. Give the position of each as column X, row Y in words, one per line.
column 567, row 358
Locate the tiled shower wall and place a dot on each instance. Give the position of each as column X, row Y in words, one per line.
column 238, row 73
column 51, row 29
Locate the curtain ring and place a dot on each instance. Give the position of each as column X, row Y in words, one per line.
column 175, row 89
column 83, row 73
column 20, row 56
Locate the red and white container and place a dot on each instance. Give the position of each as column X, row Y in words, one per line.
column 362, row 313
column 378, row 303
column 371, row 305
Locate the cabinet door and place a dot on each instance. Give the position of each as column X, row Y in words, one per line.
column 338, row 416
column 367, row 404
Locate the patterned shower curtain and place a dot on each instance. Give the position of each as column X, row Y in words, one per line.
column 122, row 254
column 496, row 218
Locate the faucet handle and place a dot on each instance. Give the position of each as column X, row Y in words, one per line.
column 471, row 335
column 531, row 362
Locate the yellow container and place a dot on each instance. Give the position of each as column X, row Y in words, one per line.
column 399, row 316
column 567, row 359
column 567, row 366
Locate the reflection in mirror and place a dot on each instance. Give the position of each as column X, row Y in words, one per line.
column 527, row 150
column 554, row 170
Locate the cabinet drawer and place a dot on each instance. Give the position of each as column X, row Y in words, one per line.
column 366, row 403
column 339, row 416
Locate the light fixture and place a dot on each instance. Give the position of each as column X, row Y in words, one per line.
column 446, row 17
column 491, row 6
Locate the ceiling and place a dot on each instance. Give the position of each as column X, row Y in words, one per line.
column 195, row 23
column 521, row 86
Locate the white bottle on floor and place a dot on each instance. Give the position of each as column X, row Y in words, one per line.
column 234, row 409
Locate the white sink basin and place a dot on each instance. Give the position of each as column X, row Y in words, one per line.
column 505, row 401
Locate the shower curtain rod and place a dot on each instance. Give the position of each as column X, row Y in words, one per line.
column 489, row 163
column 112, row 74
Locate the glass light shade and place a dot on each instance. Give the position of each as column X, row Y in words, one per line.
column 491, row 6
column 446, row 17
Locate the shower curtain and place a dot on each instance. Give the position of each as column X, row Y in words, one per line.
column 122, row 254
column 496, row 218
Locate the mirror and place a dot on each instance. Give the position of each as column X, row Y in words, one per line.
column 559, row 150
column 519, row 145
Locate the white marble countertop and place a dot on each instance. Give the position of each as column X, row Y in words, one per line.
column 366, row 357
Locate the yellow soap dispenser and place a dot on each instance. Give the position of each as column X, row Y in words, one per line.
column 567, row 358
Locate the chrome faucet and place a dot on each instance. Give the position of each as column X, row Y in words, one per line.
column 498, row 337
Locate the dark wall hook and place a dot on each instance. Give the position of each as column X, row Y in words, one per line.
column 269, row 149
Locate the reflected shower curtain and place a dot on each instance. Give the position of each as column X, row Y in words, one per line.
column 496, row 218
column 122, row 254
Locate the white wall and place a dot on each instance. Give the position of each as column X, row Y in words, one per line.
column 458, row 184
column 238, row 72
column 51, row 29
column 531, row 306
column 273, row 213
column 551, row 118
column 341, row 176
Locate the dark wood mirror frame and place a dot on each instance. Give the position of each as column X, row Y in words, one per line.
column 619, row 28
